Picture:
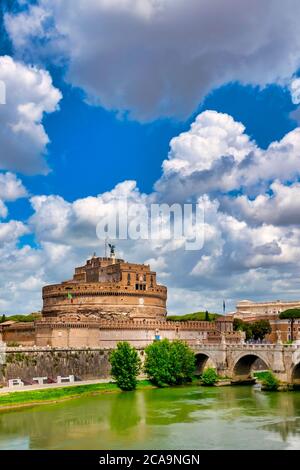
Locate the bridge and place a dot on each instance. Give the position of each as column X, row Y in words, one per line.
column 238, row 360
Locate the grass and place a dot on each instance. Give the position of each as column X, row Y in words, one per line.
column 12, row 399
column 196, row 316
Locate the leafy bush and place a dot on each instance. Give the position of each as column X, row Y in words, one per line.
column 209, row 376
column 270, row 382
column 125, row 366
column 169, row 363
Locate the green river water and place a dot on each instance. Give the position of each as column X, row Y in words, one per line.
column 237, row 417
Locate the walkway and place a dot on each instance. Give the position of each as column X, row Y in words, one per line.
column 53, row 385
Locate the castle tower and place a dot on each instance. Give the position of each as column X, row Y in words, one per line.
column 108, row 288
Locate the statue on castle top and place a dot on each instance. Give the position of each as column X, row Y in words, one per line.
column 112, row 249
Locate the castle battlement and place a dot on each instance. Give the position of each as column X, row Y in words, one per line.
column 107, row 288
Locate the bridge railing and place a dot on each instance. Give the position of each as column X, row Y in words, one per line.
column 236, row 346
column 250, row 346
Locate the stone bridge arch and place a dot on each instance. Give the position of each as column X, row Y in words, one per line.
column 295, row 374
column 203, row 360
column 242, row 365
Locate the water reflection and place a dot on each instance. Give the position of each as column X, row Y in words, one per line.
column 126, row 410
column 182, row 417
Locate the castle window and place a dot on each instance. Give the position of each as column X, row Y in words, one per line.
column 144, row 277
column 151, row 281
column 136, row 277
column 128, row 279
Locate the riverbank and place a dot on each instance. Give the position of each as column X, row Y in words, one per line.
column 25, row 398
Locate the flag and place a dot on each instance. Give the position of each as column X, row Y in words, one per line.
column 70, row 297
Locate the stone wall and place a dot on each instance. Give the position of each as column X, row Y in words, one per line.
column 22, row 333
column 84, row 332
column 139, row 334
column 26, row 363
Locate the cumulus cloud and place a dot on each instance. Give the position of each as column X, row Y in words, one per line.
column 279, row 206
column 29, row 94
column 295, row 90
column 160, row 58
column 11, row 187
column 11, row 231
column 215, row 155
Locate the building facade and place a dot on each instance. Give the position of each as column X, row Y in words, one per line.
column 250, row 311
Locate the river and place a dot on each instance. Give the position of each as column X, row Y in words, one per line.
column 236, row 417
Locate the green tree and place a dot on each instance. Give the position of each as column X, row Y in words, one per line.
column 3, row 318
column 256, row 330
column 260, row 329
column 207, row 316
column 125, row 366
column 182, row 362
column 209, row 376
column 169, row 362
column 240, row 325
column 291, row 314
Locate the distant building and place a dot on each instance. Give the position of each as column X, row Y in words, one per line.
column 250, row 311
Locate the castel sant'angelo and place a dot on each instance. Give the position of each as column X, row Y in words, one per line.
column 110, row 300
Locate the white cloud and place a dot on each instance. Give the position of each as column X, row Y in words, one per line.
column 3, row 210
column 211, row 136
column 215, row 155
column 11, row 231
column 160, row 58
column 29, row 94
column 11, row 187
column 280, row 206
column 295, row 90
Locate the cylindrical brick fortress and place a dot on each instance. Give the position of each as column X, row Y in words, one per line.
column 108, row 288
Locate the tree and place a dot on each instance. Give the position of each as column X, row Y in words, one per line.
column 169, row 362
column 3, row 318
column 207, row 316
column 240, row 325
column 125, row 366
column 182, row 362
column 256, row 330
column 291, row 314
column 260, row 329
column 209, row 376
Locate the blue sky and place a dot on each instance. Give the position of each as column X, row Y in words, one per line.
column 108, row 91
